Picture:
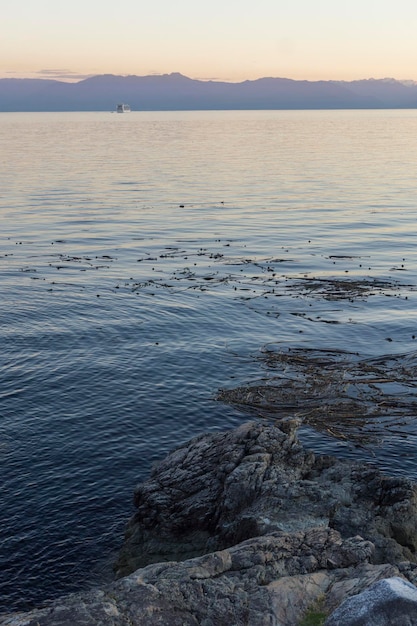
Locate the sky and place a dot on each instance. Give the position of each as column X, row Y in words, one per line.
column 230, row 40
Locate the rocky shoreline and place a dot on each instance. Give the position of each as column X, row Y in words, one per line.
column 247, row 527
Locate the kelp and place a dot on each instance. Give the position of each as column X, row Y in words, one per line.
column 334, row 391
column 344, row 288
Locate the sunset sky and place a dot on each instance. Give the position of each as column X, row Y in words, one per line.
column 230, row 40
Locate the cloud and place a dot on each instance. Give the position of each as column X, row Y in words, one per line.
column 62, row 74
column 51, row 74
column 215, row 79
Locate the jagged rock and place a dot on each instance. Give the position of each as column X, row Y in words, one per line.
column 272, row 530
column 220, row 489
column 385, row 603
column 265, row 581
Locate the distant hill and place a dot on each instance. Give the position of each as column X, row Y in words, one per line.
column 177, row 92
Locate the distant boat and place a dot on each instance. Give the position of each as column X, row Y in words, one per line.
column 123, row 108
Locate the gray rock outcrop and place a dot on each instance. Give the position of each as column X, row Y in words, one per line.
column 248, row 528
column 220, row 489
column 266, row 581
column 385, row 603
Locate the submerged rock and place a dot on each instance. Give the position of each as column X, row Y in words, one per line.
column 220, row 489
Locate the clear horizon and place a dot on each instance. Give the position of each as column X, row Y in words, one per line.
column 224, row 42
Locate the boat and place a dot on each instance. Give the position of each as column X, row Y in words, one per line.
column 123, row 108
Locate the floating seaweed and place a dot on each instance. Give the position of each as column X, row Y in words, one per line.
column 334, row 391
column 344, row 288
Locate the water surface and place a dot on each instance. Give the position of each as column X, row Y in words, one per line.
column 137, row 262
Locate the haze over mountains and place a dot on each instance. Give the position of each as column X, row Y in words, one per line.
column 177, row 92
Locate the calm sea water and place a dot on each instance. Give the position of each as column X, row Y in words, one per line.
column 135, row 257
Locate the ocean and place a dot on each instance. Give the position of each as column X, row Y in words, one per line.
column 148, row 263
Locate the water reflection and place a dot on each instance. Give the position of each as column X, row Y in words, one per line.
column 144, row 264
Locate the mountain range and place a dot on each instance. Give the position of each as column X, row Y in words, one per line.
column 178, row 92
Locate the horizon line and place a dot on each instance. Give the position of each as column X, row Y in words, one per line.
column 65, row 77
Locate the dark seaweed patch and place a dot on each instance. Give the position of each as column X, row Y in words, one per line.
column 334, row 391
column 343, row 288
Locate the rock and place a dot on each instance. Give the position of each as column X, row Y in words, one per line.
column 264, row 581
column 246, row 527
column 220, row 489
column 387, row 602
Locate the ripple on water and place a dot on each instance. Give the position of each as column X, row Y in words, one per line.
column 134, row 288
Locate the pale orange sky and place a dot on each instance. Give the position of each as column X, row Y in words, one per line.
column 222, row 40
